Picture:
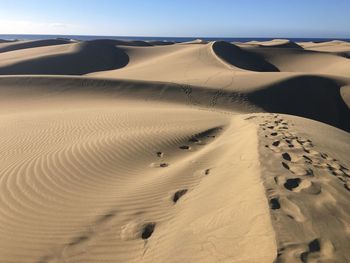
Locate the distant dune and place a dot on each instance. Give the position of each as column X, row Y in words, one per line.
column 6, row 41
column 279, row 43
column 152, row 151
column 241, row 58
column 196, row 41
column 68, row 59
column 16, row 45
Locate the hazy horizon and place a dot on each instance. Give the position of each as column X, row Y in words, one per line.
column 177, row 37
column 154, row 18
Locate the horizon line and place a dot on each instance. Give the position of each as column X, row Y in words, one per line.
column 198, row 37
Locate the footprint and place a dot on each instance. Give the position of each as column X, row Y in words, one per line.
column 290, row 184
column 334, row 165
column 162, row 165
column 288, row 141
column 324, row 156
column 313, row 247
column 290, row 135
column 336, row 172
column 295, row 143
column 275, row 204
column 137, row 229
column 291, row 210
column 194, row 140
column 345, row 171
column 185, row 147
column 106, row 217
column 302, row 140
column 297, row 170
column 286, row 156
column 78, row 240
column 311, row 152
column 320, row 164
column 308, row 159
column 276, row 143
column 77, row 245
column 148, row 230
column 291, row 157
column 306, row 186
column 179, row 194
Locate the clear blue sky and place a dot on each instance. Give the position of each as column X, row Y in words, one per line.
column 216, row 18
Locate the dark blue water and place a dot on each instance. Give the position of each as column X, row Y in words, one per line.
column 175, row 39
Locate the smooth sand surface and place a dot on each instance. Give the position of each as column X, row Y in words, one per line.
column 133, row 151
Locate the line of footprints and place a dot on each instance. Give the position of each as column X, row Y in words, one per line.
column 299, row 157
column 194, row 142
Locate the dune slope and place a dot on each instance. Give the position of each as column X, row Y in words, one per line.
column 88, row 174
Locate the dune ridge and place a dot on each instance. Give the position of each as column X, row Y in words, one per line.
column 276, row 97
column 134, row 151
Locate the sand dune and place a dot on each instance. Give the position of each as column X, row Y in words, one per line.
column 295, row 60
column 132, row 151
column 196, row 41
column 121, row 42
column 241, row 58
column 330, row 46
column 160, row 43
column 15, row 45
column 276, row 43
column 70, row 59
column 6, row 41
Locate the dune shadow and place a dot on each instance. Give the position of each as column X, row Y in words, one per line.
column 241, row 58
column 312, row 97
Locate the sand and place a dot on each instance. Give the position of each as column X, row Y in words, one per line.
column 133, row 151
